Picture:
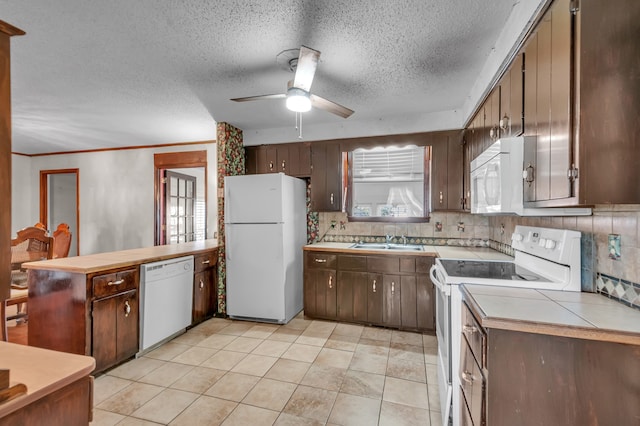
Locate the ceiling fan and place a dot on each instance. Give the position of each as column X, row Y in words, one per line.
column 298, row 96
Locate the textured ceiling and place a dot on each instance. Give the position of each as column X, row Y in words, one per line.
column 100, row 74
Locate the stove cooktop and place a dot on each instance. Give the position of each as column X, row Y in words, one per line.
column 489, row 270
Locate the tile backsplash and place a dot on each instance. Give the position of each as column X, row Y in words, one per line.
column 620, row 274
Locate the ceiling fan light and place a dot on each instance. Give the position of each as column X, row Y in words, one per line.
column 298, row 100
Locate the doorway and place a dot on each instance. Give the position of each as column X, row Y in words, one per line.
column 180, row 197
column 59, row 203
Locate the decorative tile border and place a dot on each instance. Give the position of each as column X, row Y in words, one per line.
column 623, row 291
column 502, row 247
column 455, row 242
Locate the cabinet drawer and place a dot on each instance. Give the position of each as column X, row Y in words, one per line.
column 472, row 384
column 109, row 284
column 474, row 335
column 384, row 264
column 352, row 263
column 408, row 265
column 320, row 261
column 204, row 261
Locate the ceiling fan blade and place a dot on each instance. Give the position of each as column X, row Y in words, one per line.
column 306, row 68
column 332, row 107
column 259, row 97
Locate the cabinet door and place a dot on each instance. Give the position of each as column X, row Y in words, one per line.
column 251, row 160
column 326, row 177
column 408, row 301
column 282, row 159
column 447, row 170
column 115, row 329
column 201, row 296
column 352, row 296
column 425, row 303
column 320, row 293
column 271, row 159
column 391, row 312
column 375, row 290
column 516, row 88
column 455, row 150
column 300, row 159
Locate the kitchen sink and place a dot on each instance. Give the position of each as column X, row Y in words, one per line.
column 382, row 246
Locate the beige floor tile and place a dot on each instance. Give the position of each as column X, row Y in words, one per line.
column 165, row 406
column 322, row 328
column 297, row 324
column 363, row 384
column 402, row 415
column 376, row 364
column 224, row 360
column 233, row 386
column 328, row 378
column 106, row 386
column 166, row 374
column 271, row 348
column 434, row 397
column 245, row 415
column 375, row 333
column 311, row 340
column 406, row 337
column 255, row 365
column 136, row 368
column 260, row 331
column 298, row 352
column 288, row 370
column 167, row 351
column 406, row 352
column 354, row 410
column 205, row 411
column 132, row 421
column 311, row 403
column 198, row 380
column 432, row 374
column 105, row 418
column 406, row 392
column 270, row 394
column 212, row 326
column 334, row 358
column 348, row 330
column 130, row 398
column 191, row 338
column 431, row 355
column 237, row 328
column 243, row 344
column 436, row 418
column 409, row 370
column 195, row 355
column 343, row 343
column 290, row 420
column 429, row 341
column 373, row 347
column 217, row 341
column 285, row 335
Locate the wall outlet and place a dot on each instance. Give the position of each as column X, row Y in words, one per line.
column 215, row 234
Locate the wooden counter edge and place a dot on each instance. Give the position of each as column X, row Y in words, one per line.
column 352, row 251
column 559, row 330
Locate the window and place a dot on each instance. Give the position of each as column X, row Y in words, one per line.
column 389, row 183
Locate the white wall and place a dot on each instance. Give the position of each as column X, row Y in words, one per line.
column 116, row 194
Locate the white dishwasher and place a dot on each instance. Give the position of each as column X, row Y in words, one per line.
column 166, row 300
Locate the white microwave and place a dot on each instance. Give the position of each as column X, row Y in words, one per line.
column 497, row 184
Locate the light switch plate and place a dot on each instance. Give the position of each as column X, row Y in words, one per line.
column 614, row 246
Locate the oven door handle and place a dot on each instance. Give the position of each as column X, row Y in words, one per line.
column 440, row 286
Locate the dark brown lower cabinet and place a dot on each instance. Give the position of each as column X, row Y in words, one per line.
column 115, row 327
column 387, row 290
column 205, row 286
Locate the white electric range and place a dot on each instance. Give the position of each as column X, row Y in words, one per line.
column 545, row 258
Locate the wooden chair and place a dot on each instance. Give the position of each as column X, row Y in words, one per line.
column 61, row 241
column 32, row 243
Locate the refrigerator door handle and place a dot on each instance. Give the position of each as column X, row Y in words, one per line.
column 227, row 247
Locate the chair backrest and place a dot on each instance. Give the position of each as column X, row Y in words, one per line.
column 61, row 241
column 33, row 240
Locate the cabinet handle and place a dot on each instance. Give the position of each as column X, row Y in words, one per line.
column 393, row 287
column 504, row 123
column 201, row 285
column 467, row 377
column 493, row 133
column 206, row 262
column 469, row 329
column 116, row 282
column 127, row 308
column 320, row 260
column 283, row 165
column 270, row 166
column 441, row 197
column 330, row 281
column 528, row 174
column 374, row 286
column 331, row 198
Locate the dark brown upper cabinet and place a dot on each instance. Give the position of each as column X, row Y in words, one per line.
column 292, row 159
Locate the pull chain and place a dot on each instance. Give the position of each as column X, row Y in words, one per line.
column 299, row 124
column 300, row 128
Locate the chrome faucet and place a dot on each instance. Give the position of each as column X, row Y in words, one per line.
column 389, row 238
column 404, row 240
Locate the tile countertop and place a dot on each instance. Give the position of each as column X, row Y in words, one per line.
column 439, row 251
column 118, row 259
column 560, row 313
column 43, row 371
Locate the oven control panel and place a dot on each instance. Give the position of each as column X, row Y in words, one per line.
column 557, row 245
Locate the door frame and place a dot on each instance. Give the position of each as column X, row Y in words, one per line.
column 44, row 199
column 174, row 160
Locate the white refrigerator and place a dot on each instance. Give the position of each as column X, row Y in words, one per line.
column 265, row 230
